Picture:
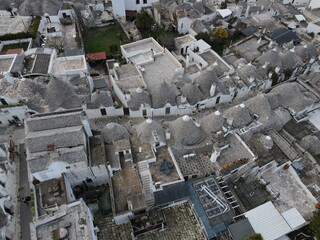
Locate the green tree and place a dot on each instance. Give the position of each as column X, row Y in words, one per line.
column 315, row 224
column 167, row 41
column 144, row 21
column 221, row 33
column 204, row 36
column 255, row 236
column 223, row 5
column 113, row 48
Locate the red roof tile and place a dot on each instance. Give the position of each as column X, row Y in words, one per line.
column 96, row 56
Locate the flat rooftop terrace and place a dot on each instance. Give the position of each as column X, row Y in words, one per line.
column 129, row 77
column 50, row 193
column 73, row 220
column 14, row 25
column 198, row 165
column 140, row 151
column 55, row 27
column 5, row 63
column 142, row 46
column 251, row 193
column 70, row 35
column 184, row 39
column 211, row 58
column 162, row 69
column 125, row 183
column 65, row 64
column 159, row 169
column 109, row 230
column 235, row 151
column 181, row 224
column 126, row 71
column 286, row 185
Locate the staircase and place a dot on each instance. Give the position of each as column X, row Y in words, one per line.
column 146, row 180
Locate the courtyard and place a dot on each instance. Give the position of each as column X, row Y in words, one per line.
column 100, row 39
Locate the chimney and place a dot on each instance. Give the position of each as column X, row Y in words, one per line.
column 187, row 60
column 86, row 124
column 212, row 90
column 128, row 96
column 265, row 65
column 247, row 12
column 270, row 44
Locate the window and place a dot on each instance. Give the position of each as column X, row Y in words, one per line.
column 144, row 1
column 3, row 101
column 0, row 122
column 126, row 111
column 218, row 100
column 103, row 111
column 16, row 118
column 137, row 1
column 181, row 25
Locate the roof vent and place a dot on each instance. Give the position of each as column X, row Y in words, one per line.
column 185, row 118
column 139, row 90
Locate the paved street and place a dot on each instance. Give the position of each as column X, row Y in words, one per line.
column 24, row 191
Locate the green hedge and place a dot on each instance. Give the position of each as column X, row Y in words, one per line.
column 31, row 33
column 33, row 29
column 14, row 36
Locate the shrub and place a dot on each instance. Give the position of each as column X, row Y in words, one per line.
column 315, row 223
column 33, row 29
column 254, row 236
column 144, row 21
column 13, row 36
column 223, row 5
column 221, row 33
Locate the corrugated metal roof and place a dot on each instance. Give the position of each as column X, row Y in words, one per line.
column 294, row 218
column 267, row 221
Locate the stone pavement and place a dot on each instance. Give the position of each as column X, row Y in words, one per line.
column 24, row 191
column 181, row 225
column 111, row 231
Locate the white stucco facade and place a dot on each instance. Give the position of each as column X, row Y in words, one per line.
column 13, row 114
column 314, row 26
column 296, row 2
column 121, row 6
column 313, row 4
